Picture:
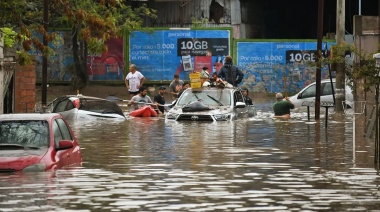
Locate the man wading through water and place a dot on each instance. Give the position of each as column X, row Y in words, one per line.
column 282, row 107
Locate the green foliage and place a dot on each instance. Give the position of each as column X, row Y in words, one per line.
column 199, row 23
column 93, row 21
column 24, row 57
column 362, row 69
column 9, row 36
column 96, row 45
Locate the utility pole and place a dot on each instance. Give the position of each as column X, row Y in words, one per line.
column 44, row 56
column 319, row 55
column 340, row 67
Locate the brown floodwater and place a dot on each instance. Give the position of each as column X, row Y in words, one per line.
column 257, row 164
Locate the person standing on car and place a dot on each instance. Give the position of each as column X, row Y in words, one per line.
column 134, row 80
column 160, row 99
column 282, row 107
column 230, row 73
column 247, row 99
column 175, row 86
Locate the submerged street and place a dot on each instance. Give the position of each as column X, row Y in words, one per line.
column 259, row 164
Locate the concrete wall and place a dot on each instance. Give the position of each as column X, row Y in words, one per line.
column 366, row 34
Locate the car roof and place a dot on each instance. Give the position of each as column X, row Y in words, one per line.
column 85, row 97
column 28, row 116
column 322, row 81
column 328, row 80
column 214, row 88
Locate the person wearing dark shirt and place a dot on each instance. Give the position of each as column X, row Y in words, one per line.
column 282, row 107
column 230, row 73
column 247, row 99
column 160, row 99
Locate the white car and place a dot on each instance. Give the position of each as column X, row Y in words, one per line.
column 307, row 94
column 79, row 107
column 210, row 104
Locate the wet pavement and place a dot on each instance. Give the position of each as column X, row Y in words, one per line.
column 259, row 164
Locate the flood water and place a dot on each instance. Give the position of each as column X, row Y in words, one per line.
column 259, row 164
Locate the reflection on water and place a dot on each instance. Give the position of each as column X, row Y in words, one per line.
column 260, row 164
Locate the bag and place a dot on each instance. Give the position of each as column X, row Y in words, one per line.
column 205, row 74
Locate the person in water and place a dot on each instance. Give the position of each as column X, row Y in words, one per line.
column 160, row 99
column 141, row 99
column 282, row 107
column 247, row 99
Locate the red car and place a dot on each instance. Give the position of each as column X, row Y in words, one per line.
column 36, row 142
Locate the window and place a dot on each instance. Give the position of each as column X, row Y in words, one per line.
column 64, row 129
column 64, row 106
column 309, row 92
column 208, row 97
column 57, row 134
column 238, row 97
column 327, row 90
column 26, row 133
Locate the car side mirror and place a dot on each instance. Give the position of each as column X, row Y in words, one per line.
column 299, row 96
column 173, row 103
column 64, row 144
column 240, row 105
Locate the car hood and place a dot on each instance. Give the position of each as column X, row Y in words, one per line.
column 212, row 111
column 74, row 114
column 17, row 160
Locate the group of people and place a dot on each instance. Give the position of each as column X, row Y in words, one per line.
column 134, row 82
column 228, row 74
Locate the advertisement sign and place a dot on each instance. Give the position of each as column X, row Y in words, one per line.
column 109, row 65
column 61, row 61
column 279, row 66
column 160, row 54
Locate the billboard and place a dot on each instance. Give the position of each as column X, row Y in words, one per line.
column 106, row 66
column 109, row 65
column 60, row 62
column 279, row 66
column 160, row 54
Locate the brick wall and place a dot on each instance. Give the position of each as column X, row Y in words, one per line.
column 25, row 89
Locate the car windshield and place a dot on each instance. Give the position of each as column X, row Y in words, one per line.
column 100, row 106
column 26, row 133
column 217, row 97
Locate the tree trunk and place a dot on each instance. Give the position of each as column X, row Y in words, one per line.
column 340, row 87
column 80, row 77
column 340, row 68
column 83, row 58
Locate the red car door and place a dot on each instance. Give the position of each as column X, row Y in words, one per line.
column 67, row 156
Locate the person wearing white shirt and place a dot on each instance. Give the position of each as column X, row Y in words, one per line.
column 134, row 80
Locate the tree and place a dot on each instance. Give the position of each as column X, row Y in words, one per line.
column 363, row 73
column 92, row 23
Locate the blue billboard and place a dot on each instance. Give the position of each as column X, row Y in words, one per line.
column 279, row 66
column 160, row 54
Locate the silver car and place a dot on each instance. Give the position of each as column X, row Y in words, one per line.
column 210, row 104
column 79, row 107
column 307, row 94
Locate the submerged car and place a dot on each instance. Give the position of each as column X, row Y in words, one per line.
column 307, row 94
column 210, row 104
column 36, row 142
column 79, row 107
